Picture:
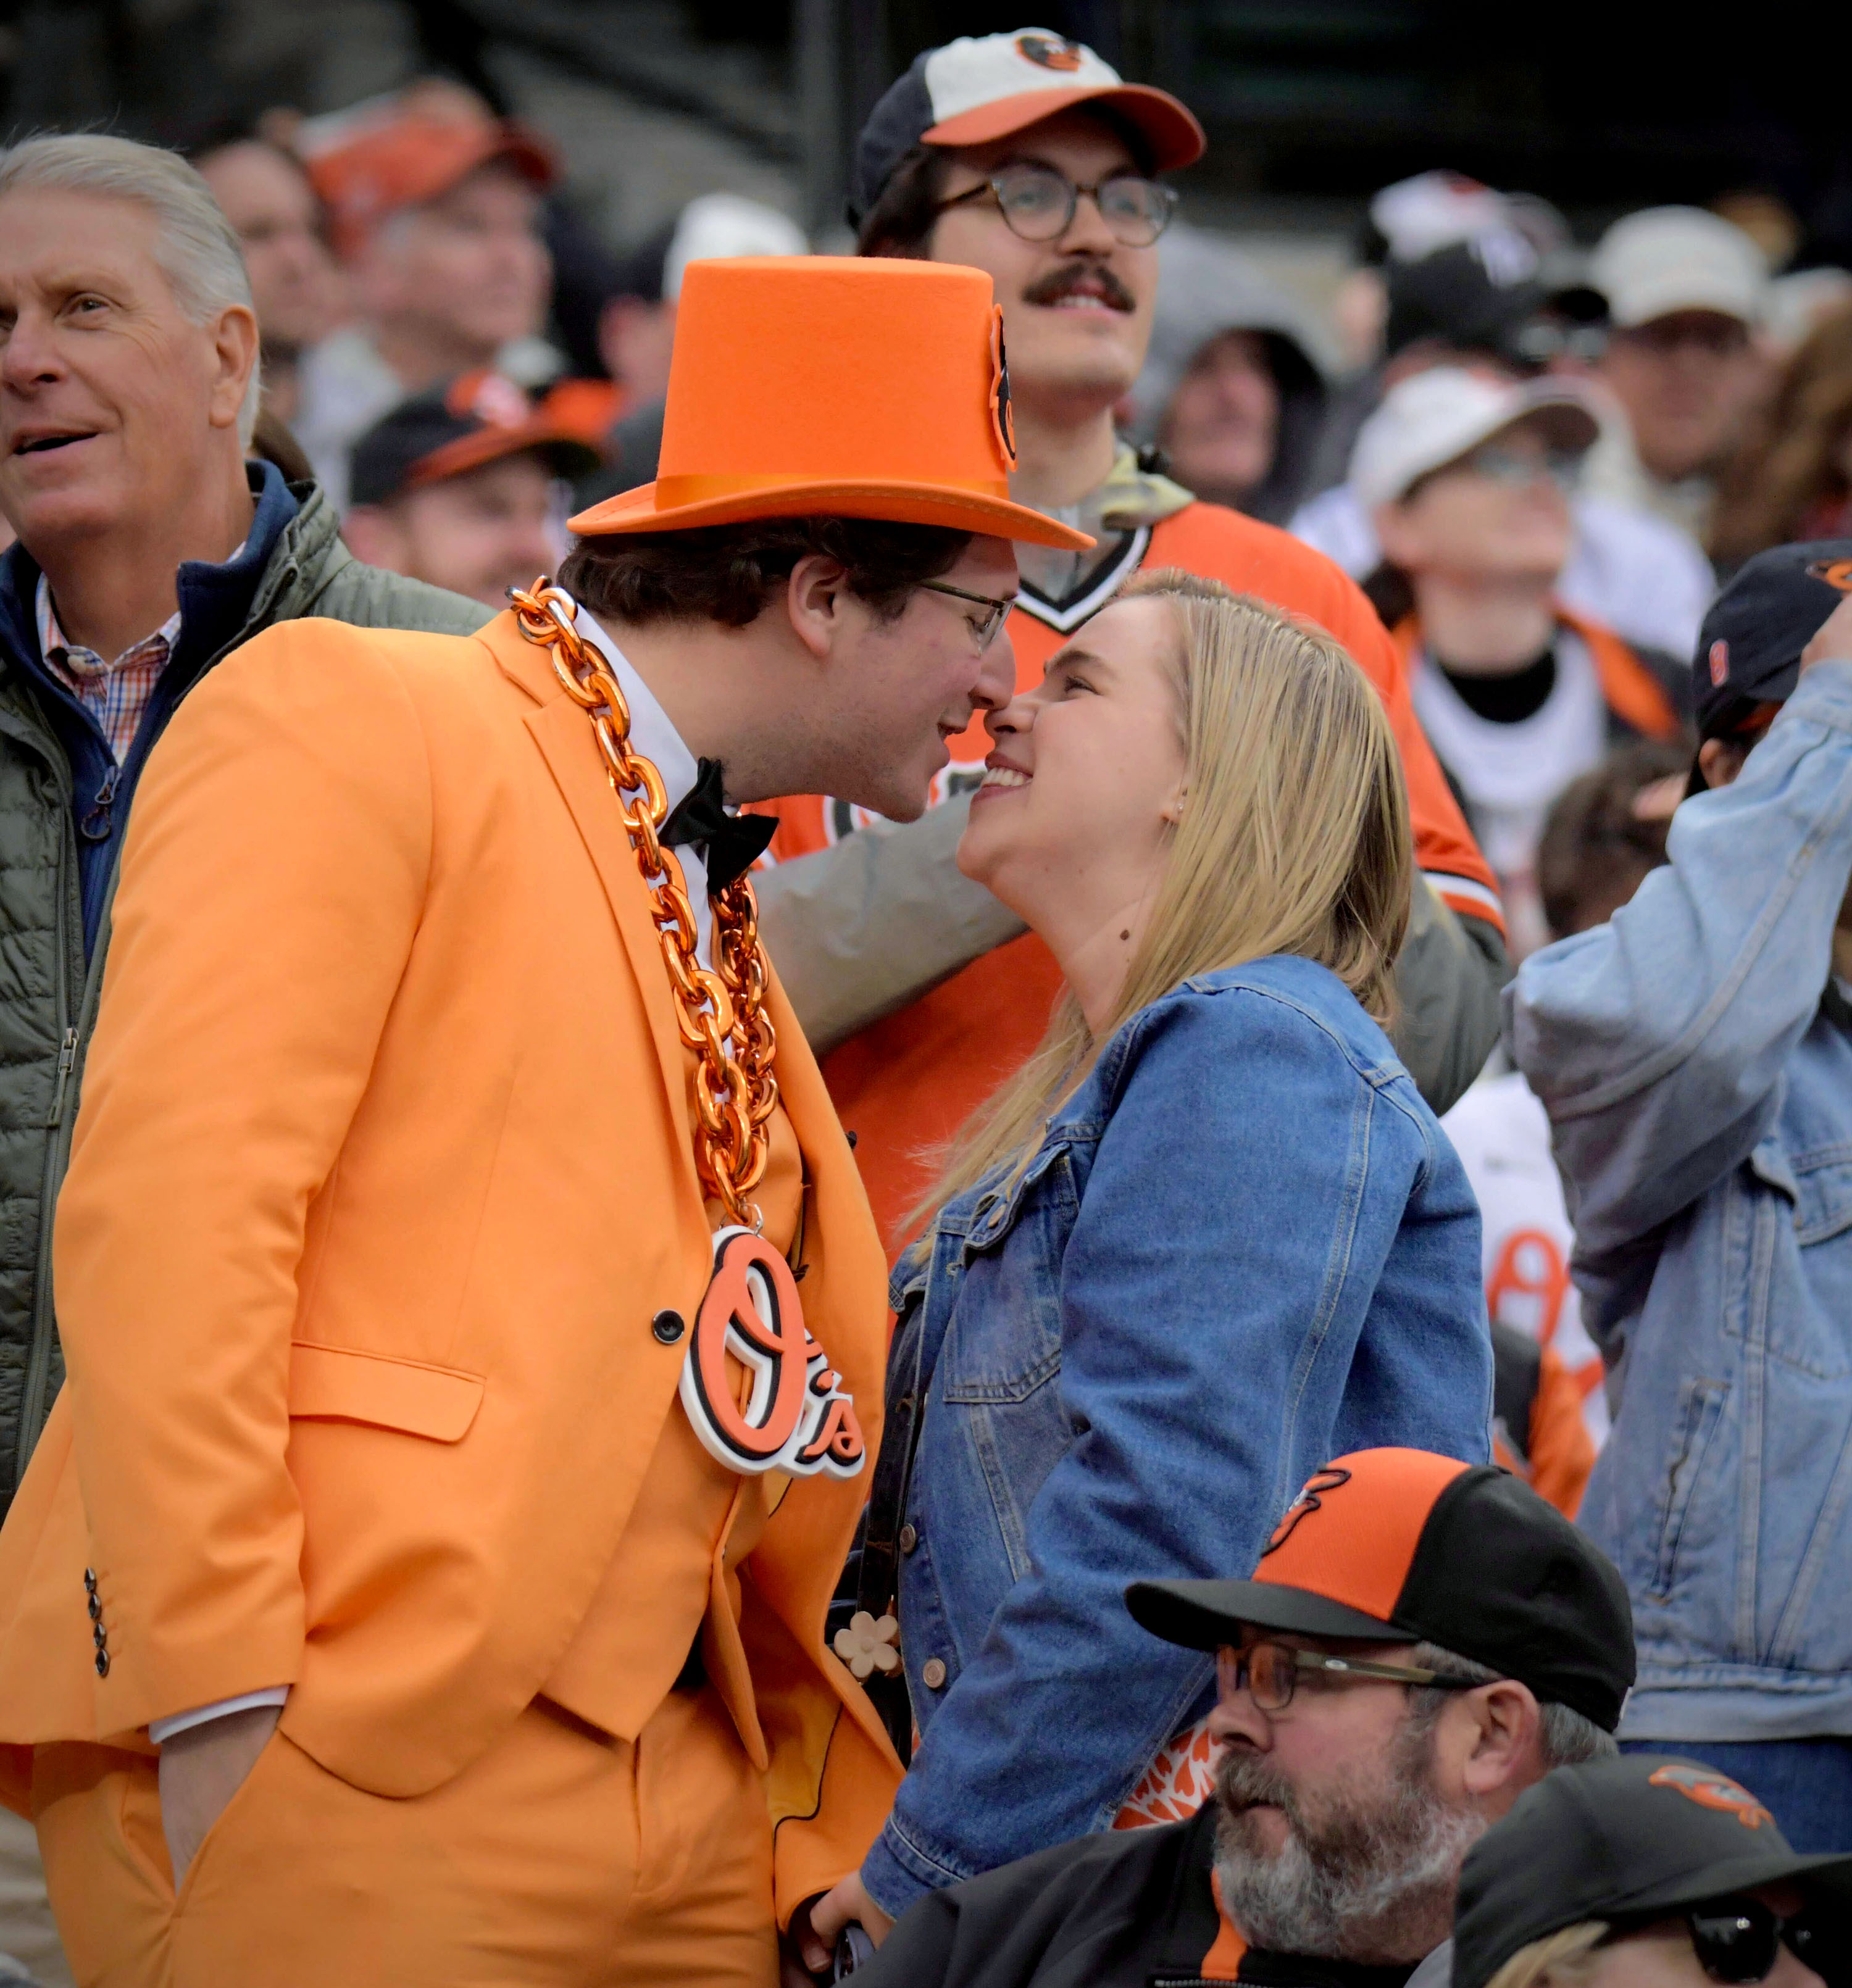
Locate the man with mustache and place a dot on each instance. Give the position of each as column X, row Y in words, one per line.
column 1422, row 1640
column 1026, row 156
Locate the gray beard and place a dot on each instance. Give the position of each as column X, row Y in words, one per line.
column 1370, row 1880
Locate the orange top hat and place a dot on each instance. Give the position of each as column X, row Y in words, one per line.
column 827, row 386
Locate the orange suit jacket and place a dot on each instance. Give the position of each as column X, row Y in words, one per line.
column 383, row 1168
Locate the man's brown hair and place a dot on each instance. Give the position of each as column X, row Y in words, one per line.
column 727, row 572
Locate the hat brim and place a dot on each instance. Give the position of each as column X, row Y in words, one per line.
column 567, row 455
column 1176, row 138
column 1831, row 1872
column 1206, row 1614
column 894, row 503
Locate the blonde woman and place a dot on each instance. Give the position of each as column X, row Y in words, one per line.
column 1210, row 1237
column 1648, row 1871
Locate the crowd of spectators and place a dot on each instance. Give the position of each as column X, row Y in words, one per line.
column 1596, row 504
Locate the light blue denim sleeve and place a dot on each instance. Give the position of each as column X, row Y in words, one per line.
column 1657, row 1042
column 1214, row 1288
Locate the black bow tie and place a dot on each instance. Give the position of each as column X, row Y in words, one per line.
column 732, row 843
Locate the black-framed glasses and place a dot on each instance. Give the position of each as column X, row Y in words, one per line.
column 1270, row 1672
column 995, row 610
column 1738, row 1941
column 1038, row 203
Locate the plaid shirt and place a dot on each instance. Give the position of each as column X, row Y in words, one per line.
column 116, row 694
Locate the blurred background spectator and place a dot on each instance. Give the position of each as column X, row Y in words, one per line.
column 1466, row 478
column 1484, row 302
column 435, row 211
column 1685, row 290
column 465, row 486
column 1234, row 389
column 296, row 288
column 1794, row 478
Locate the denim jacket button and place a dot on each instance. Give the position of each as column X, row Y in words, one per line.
column 932, row 1673
column 909, row 1539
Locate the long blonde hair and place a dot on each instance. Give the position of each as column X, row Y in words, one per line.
column 1294, row 838
column 1562, row 1960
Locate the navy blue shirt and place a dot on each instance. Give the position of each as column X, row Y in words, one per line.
column 215, row 606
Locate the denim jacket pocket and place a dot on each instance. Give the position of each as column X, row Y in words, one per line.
column 1813, row 1193
column 1699, row 1410
column 1004, row 1342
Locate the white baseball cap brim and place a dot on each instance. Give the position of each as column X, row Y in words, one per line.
column 1665, row 259
column 1435, row 417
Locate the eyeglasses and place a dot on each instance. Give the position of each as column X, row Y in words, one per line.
column 1738, row 1940
column 1270, row 1672
column 1038, row 203
column 1514, row 468
column 995, row 610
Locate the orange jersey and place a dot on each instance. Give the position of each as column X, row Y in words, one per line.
column 906, row 1084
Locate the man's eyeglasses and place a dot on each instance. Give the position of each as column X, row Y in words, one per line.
column 984, row 631
column 1738, row 1940
column 1272, row 1672
column 1038, row 203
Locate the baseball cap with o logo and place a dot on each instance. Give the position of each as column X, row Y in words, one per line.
column 1403, row 1545
column 982, row 87
column 1628, row 1841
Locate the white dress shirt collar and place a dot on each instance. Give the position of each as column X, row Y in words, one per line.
column 652, row 735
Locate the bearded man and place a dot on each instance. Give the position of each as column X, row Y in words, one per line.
column 1422, row 1640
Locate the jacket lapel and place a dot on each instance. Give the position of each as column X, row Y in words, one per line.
column 563, row 733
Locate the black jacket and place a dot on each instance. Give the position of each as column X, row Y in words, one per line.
column 1130, row 1908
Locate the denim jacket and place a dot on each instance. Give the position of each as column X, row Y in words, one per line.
column 1245, row 1246
column 1701, row 1092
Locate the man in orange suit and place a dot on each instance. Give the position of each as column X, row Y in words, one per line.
column 474, row 1319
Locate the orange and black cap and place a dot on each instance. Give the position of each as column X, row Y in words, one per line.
column 476, row 418
column 1626, row 1841
column 1748, row 649
column 1403, row 1545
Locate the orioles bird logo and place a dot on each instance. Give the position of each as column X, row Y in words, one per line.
column 1049, row 51
column 1720, row 662
column 1709, row 1789
column 1835, row 572
column 1318, row 1483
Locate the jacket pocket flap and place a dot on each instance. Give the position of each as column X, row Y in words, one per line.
column 337, row 1384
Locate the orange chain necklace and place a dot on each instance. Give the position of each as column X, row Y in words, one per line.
column 721, row 1012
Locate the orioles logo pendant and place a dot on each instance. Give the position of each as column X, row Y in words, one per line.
column 796, row 1416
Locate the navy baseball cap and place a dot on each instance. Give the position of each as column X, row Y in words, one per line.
column 1748, row 649
column 982, row 87
column 476, row 418
column 1628, row 1841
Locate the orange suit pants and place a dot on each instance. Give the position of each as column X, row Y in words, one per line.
column 562, row 1858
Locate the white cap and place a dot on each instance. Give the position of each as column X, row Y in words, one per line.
column 727, row 224
column 1678, row 258
column 1435, row 417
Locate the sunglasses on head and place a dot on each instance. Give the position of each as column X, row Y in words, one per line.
column 1738, row 1940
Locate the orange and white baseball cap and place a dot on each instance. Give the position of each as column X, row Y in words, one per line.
column 982, row 87
column 825, row 386
column 1401, row 1545
column 388, row 164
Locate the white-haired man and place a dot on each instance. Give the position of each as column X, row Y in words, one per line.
column 148, row 547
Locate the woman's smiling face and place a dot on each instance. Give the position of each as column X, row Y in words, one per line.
column 1085, row 780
